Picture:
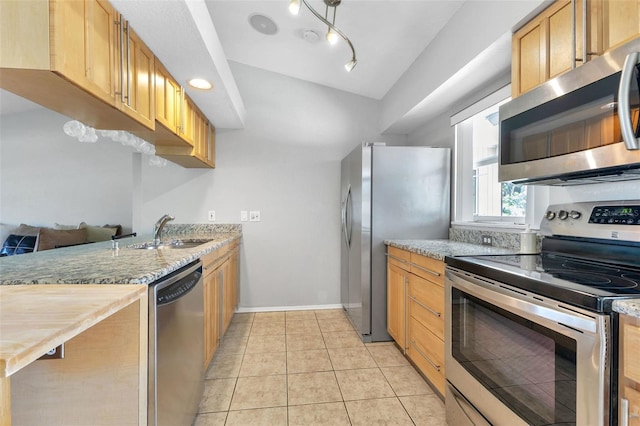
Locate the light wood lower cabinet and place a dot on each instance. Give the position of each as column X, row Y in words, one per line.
column 629, row 380
column 211, row 283
column 426, row 350
column 415, row 311
column 397, row 281
column 220, row 279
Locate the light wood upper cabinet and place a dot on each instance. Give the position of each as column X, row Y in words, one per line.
column 82, row 59
column 139, row 99
column 543, row 48
column 71, row 62
column 199, row 136
column 97, row 73
column 167, row 98
column 620, row 22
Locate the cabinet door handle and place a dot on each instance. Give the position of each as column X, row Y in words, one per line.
column 434, row 365
column 121, row 38
column 404, row 313
column 128, row 64
column 436, row 313
column 624, row 412
column 437, row 274
column 395, row 258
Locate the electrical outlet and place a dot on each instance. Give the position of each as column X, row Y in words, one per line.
column 55, row 353
column 487, row 240
column 212, row 215
column 254, row 216
column 244, row 216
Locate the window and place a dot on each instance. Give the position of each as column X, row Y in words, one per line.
column 479, row 195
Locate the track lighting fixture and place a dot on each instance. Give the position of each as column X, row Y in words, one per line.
column 332, row 31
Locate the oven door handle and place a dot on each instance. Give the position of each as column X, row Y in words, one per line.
column 624, row 111
column 555, row 317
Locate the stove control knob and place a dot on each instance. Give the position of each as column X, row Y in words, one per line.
column 563, row 215
column 574, row 214
column 550, row 215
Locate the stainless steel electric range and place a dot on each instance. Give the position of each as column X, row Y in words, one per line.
column 532, row 339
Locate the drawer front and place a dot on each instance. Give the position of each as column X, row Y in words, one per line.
column 399, row 258
column 426, row 304
column 428, row 268
column 427, row 352
column 633, row 396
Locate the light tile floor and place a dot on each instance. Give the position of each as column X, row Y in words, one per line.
column 311, row 368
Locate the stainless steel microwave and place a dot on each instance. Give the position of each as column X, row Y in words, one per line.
column 580, row 127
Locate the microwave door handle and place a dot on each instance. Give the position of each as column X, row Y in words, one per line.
column 624, row 110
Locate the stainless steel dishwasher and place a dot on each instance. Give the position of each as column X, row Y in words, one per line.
column 176, row 347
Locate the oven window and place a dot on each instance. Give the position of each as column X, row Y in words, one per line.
column 531, row 369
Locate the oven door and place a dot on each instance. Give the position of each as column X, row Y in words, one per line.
column 518, row 358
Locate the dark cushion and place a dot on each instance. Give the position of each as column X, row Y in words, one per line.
column 18, row 244
column 51, row 238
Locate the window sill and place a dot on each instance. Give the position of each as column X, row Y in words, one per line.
column 488, row 225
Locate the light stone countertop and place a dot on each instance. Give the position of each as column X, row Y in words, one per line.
column 627, row 307
column 438, row 249
column 98, row 263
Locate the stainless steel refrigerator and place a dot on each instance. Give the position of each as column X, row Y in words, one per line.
column 388, row 192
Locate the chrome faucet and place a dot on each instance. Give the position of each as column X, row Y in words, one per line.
column 157, row 229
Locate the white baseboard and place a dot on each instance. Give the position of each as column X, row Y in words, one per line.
column 287, row 308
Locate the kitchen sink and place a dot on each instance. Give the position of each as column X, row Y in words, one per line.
column 175, row 244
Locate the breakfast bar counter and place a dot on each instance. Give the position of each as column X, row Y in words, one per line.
column 103, row 330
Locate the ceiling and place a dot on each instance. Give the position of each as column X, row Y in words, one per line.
column 387, row 37
column 197, row 38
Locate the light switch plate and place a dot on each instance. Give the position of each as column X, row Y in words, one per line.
column 254, row 216
column 244, row 216
column 212, row 215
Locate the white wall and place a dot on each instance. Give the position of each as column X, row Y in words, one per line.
column 47, row 176
column 475, row 27
column 285, row 163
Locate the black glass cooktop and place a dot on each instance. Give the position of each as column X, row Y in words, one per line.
column 585, row 283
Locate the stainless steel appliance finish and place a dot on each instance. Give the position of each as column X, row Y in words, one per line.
column 532, row 339
column 388, row 192
column 176, row 347
column 580, row 127
column 589, row 381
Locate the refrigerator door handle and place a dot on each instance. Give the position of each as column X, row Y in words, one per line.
column 347, row 218
column 343, row 220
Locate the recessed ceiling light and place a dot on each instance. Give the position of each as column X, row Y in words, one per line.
column 200, row 83
column 263, row 24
